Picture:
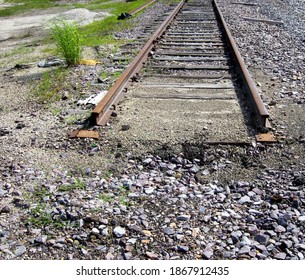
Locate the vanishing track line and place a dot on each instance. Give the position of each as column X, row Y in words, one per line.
column 194, row 86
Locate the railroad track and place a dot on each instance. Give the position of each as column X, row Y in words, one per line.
column 188, row 83
column 140, row 8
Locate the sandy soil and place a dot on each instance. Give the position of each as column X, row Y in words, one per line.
column 20, row 26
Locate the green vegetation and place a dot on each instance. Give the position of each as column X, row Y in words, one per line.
column 114, row 7
column 123, row 200
column 76, row 185
column 24, row 5
column 104, row 75
column 99, row 32
column 106, row 197
column 55, row 111
column 71, row 119
column 113, row 75
column 40, row 193
column 49, row 86
column 49, row 50
column 20, row 50
column 40, row 214
column 39, row 217
column 21, row 6
column 121, row 196
column 68, row 41
column 117, row 74
column 96, row 33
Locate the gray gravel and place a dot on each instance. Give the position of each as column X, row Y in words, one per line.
column 179, row 217
column 105, row 200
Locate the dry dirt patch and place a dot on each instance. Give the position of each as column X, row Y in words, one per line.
column 19, row 26
column 20, row 44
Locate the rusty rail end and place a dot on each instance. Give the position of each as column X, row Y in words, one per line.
column 251, row 87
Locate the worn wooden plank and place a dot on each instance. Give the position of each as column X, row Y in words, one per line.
column 177, row 58
column 121, row 58
column 196, row 31
column 194, row 67
column 190, row 48
column 266, row 137
column 186, row 86
column 182, row 95
column 215, row 77
column 169, row 53
column 207, row 22
column 206, row 19
column 202, row 45
column 85, row 134
column 186, row 37
column 264, row 20
column 194, row 40
column 243, row 3
column 171, row 33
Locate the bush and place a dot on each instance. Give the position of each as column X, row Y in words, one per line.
column 68, row 41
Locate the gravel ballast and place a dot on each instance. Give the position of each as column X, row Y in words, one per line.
column 64, row 198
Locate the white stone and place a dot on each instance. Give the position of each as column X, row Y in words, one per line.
column 119, row 231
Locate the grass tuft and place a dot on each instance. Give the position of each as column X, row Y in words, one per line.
column 68, row 41
column 76, row 185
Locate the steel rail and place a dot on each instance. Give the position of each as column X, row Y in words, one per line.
column 102, row 111
column 254, row 94
column 134, row 11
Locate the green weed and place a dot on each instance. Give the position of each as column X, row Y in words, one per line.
column 121, row 196
column 100, row 32
column 105, row 197
column 117, row 74
column 55, row 111
column 123, row 200
column 48, row 89
column 40, row 193
column 71, row 119
column 104, row 75
column 68, row 41
column 39, row 217
column 75, row 186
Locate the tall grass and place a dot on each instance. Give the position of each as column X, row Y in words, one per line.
column 68, row 41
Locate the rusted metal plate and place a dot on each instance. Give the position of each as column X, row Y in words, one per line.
column 266, row 137
column 85, row 134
